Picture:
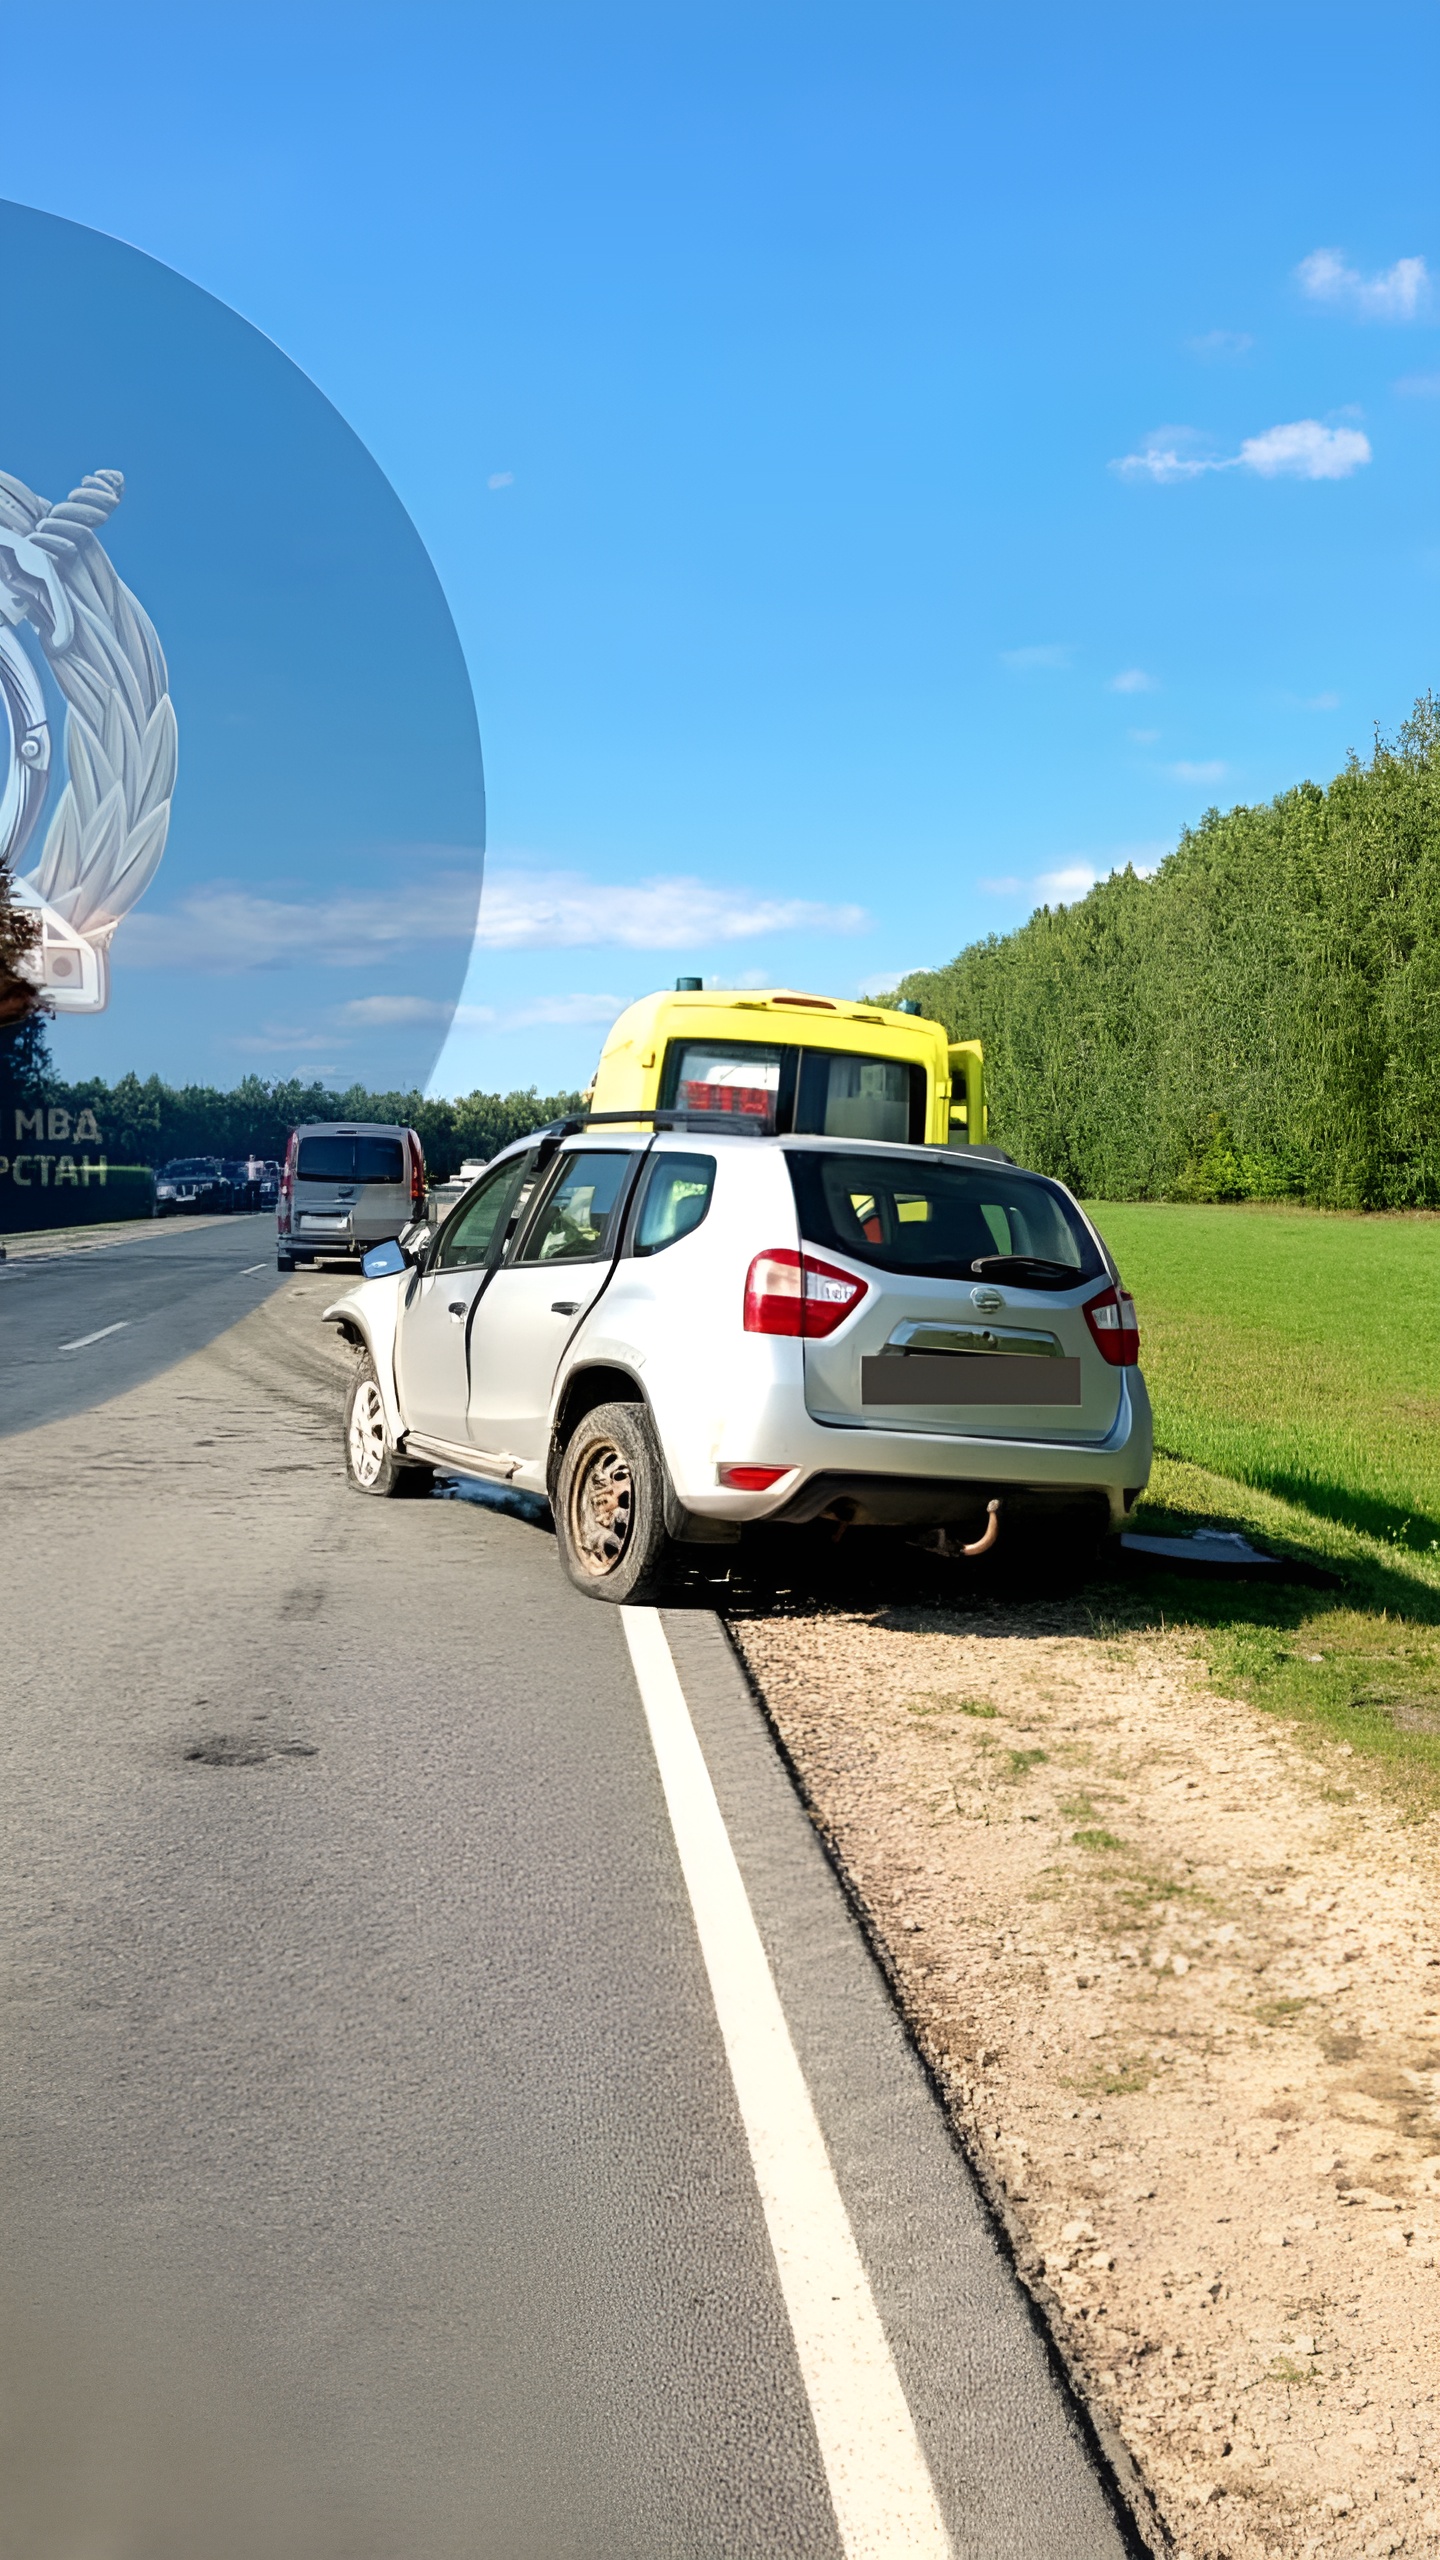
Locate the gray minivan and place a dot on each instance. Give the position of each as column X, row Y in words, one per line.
column 347, row 1184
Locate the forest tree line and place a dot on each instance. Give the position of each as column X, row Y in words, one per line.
column 1260, row 1019
column 150, row 1123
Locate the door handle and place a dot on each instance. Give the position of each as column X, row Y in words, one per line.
column 457, row 1308
column 565, row 1307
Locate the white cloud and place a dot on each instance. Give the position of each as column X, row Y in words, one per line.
column 1320, row 702
column 1072, row 881
column 372, row 1013
column 226, row 929
column 1169, row 453
column 379, row 1013
column 1418, row 386
column 1400, row 292
column 563, row 1012
column 1133, row 680
column 1211, row 771
column 1049, row 653
column 1143, row 737
column 1076, row 878
column 881, row 982
column 1221, row 345
column 1305, row 451
column 501, row 480
column 563, row 910
column 1302, row 450
column 288, row 1040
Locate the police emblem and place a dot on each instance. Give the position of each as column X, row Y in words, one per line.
column 107, row 797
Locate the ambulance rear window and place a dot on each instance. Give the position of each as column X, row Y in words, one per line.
column 813, row 1093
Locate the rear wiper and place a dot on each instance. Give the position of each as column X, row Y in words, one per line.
column 1027, row 1271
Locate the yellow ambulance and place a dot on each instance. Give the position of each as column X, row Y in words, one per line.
column 782, row 1062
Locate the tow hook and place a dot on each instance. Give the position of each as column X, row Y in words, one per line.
column 982, row 1545
column 938, row 1542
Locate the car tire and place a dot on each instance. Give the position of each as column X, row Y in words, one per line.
column 370, row 1461
column 284, row 1261
column 610, row 1507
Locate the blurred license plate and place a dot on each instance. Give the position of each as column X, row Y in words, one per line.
column 327, row 1226
column 972, row 1377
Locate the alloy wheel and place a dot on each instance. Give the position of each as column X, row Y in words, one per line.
column 367, row 1433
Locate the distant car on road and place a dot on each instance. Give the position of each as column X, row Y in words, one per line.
column 674, row 1334
column 192, row 1182
column 346, row 1185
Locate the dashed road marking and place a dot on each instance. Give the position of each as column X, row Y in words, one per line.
column 251, row 1268
column 86, row 1339
column 879, row 2481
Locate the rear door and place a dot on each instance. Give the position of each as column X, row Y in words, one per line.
column 938, row 1346
column 382, row 1201
column 562, row 1258
column 324, row 1202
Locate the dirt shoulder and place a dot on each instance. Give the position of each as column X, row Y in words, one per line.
column 1178, row 1977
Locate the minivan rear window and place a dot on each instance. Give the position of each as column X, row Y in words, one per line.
column 945, row 1218
column 351, row 1160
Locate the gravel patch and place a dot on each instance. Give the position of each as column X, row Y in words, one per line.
column 1177, row 1976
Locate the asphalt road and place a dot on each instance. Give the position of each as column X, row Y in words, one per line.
column 83, row 1321
column 374, row 2184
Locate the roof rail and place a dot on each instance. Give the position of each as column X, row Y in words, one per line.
column 731, row 1124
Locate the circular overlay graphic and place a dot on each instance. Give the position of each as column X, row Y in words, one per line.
column 240, row 776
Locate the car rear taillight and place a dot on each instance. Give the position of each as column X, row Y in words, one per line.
column 286, row 1191
column 417, row 1177
column 1113, row 1321
column 749, row 1479
column 797, row 1293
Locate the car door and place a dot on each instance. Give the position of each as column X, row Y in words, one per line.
column 430, row 1349
column 534, row 1302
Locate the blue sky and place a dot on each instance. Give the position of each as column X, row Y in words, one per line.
column 758, row 377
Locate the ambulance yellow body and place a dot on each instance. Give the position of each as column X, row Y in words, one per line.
column 816, row 1065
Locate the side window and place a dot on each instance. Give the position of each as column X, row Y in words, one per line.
column 466, row 1240
column 675, row 1199
column 576, row 1219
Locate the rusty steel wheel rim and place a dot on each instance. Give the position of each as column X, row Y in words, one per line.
column 602, row 1509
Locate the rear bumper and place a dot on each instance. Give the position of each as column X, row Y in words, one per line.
column 918, row 1477
column 357, row 1239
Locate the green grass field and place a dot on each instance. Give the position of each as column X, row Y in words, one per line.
column 1295, row 1350
column 1293, row 1357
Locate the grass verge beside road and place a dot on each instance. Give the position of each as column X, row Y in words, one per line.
column 1294, row 1361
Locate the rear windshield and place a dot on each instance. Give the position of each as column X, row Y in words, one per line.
column 351, row 1160
column 814, row 1093
column 947, row 1218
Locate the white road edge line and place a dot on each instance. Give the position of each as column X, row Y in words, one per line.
column 880, row 2484
column 87, row 1338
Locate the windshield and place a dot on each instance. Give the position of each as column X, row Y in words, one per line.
column 943, row 1217
column 186, row 1168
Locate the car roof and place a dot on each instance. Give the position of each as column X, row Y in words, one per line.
column 352, row 1129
